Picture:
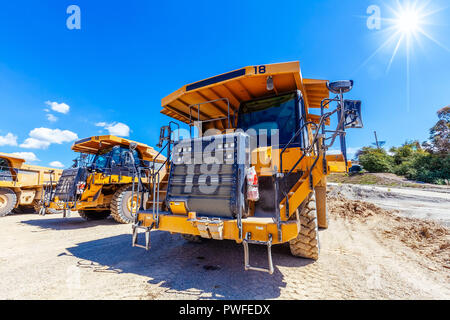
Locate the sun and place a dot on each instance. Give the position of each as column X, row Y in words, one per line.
column 404, row 29
column 408, row 21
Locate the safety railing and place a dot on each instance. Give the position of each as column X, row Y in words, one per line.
column 199, row 113
column 317, row 142
column 154, row 173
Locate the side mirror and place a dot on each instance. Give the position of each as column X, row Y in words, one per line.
column 352, row 114
column 341, row 86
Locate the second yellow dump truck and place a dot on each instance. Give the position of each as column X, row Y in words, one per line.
column 256, row 171
column 22, row 185
column 100, row 182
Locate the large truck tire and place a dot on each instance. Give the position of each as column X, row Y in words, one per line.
column 90, row 215
column 306, row 244
column 191, row 238
column 8, row 200
column 121, row 205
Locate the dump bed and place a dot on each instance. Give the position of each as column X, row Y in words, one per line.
column 231, row 88
column 93, row 144
column 26, row 175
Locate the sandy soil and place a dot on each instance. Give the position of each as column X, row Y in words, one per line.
column 408, row 202
column 362, row 257
column 384, row 179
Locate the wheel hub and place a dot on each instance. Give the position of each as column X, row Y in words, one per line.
column 3, row 201
column 135, row 204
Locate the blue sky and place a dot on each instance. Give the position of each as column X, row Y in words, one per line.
column 128, row 55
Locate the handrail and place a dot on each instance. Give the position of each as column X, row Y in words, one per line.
column 154, row 177
column 198, row 112
column 306, row 151
column 292, row 140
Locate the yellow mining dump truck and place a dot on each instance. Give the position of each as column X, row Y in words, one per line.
column 256, row 173
column 100, row 182
column 22, row 185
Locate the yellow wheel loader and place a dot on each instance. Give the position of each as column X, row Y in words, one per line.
column 256, row 171
column 100, row 183
column 22, row 185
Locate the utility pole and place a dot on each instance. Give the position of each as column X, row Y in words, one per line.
column 376, row 140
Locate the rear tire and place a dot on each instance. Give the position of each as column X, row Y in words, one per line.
column 90, row 215
column 306, row 245
column 191, row 238
column 8, row 201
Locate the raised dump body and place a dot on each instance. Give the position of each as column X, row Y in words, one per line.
column 265, row 192
column 22, row 185
column 100, row 182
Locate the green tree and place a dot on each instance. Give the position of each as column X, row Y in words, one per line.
column 375, row 160
column 428, row 164
column 439, row 142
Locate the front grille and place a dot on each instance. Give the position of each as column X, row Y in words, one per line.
column 208, row 174
column 66, row 188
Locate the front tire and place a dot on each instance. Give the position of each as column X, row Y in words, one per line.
column 306, row 245
column 8, row 201
column 121, row 209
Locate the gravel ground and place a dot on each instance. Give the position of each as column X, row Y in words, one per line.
column 54, row 258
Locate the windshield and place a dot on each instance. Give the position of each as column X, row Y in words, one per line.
column 4, row 165
column 115, row 156
column 102, row 157
column 271, row 113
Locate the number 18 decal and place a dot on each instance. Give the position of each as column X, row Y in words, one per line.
column 260, row 69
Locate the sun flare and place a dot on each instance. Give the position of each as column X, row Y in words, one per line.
column 408, row 21
column 405, row 30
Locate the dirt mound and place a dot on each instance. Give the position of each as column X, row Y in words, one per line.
column 345, row 208
column 428, row 238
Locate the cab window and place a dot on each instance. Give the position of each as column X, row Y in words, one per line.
column 124, row 156
column 102, row 157
column 115, row 156
column 4, row 165
column 275, row 113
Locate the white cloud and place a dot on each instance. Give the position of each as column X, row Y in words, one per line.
column 51, row 117
column 115, row 128
column 58, row 107
column 28, row 156
column 56, row 164
column 41, row 138
column 32, row 143
column 8, row 140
